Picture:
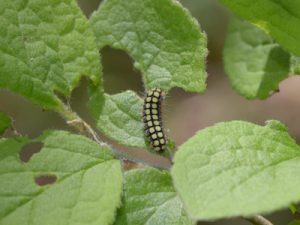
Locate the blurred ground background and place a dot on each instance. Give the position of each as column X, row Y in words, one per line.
column 184, row 113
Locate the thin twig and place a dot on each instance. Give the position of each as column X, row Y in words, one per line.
column 139, row 161
column 79, row 124
column 258, row 220
column 85, row 128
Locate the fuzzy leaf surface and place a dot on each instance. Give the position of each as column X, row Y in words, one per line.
column 87, row 187
column 225, row 170
column 45, row 47
column 161, row 36
column 119, row 116
column 150, row 199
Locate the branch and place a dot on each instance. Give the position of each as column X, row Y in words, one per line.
column 258, row 220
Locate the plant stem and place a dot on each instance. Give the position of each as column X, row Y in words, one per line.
column 258, row 220
column 79, row 124
column 84, row 128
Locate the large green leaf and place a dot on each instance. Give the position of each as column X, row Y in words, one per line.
column 45, row 47
column 254, row 63
column 5, row 122
column 279, row 18
column 87, row 189
column 119, row 116
column 237, row 168
column 167, row 46
column 161, row 36
column 150, row 199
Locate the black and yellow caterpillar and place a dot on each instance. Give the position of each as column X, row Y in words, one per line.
column 152, row 119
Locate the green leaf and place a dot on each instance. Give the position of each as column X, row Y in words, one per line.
column 119, row 116
column 45, row 47
column 87, row 189
column 254, row 63
column 5, row 122
column 150, row 199
column 161, row 36
column 237, row 169
column 278, row 18
column 295, row 65
column 295, row 222
column 294, row 208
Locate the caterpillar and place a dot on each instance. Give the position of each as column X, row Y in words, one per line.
column 152, row 119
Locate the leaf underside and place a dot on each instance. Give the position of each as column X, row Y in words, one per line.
column 278, row 18
column 254, row 63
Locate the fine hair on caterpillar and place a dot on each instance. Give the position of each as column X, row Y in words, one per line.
column 153, row 119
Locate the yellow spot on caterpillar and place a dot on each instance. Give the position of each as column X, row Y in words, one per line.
column 150, row 124
column 154, row 99
column 147, row 105
column 160, row 134
column 156, row 123
column 154, row 136
column 148, row 117
column 155, row 117
column 156, row 94
column 158, row 128
column 148, row 99
column 154, row 111
column 151, row 130
column 155, row 143
column 154, row 106
column 147, row 111
column 162, row 141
